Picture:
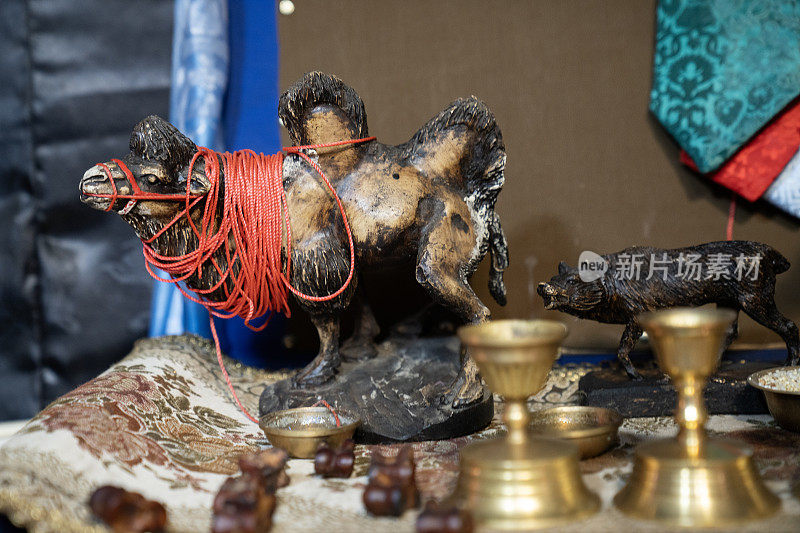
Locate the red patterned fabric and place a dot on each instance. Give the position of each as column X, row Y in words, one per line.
column 752, row 169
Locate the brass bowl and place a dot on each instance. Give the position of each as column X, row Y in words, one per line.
column 593, row 429
column 784, row 406
column 301, row 430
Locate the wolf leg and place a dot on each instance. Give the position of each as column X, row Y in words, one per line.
column 733, row 333
column 630, row 336
column 769, row 316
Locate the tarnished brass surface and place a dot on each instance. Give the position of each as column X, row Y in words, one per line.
column 514, row 356
column 522, row 487
column 300, row 431
column 519, row 482
column 784, row 406
column 720, row 488
column 693, row 481
column 592, row 429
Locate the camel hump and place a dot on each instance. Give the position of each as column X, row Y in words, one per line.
column 320, row 108
column 464, row 146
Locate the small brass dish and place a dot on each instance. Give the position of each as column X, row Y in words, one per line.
column 784, row 406
column 301, row 430
column 593, row 429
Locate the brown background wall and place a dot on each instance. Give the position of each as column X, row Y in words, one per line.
column 569, row 81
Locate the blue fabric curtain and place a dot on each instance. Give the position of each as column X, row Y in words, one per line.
column 224, row 96
column 199, row 79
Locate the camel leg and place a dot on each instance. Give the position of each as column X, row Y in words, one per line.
column 361, row 345
column 319, row 267
column 325, row 364
column 441, row 265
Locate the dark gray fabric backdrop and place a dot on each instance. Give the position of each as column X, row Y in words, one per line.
column 76, row 77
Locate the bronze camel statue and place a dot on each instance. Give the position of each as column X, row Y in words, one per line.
column 431, row 198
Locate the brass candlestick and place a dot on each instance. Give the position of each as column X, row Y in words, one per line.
column 519, row 482
column 693, row 480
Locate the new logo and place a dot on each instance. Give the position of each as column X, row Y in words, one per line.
column 591, row 266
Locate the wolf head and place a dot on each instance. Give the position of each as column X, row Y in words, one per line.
column 567, row 292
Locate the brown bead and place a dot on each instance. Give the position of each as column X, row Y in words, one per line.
column 384, row 501
column 127, row 512
column 268, row 466
column 323, row 460
column 391, row 488
column 242, row 505
column 438, row 519
column 245, row 503
column 335, row 463
column 343, row 465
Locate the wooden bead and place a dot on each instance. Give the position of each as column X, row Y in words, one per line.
column 242, row 505
column 245, row 503
column 127, row 512
column 438, row 519
column 391, row 489
column 335, row 463
column 268, row 466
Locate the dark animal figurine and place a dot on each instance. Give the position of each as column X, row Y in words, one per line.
column 736, row 274
column 430, row 200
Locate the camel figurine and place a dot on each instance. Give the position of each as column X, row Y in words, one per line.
column 430, row 199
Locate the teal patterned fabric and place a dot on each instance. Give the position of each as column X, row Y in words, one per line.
column 722, row 70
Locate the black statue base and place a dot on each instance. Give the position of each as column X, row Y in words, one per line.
column 396, row 394
column 727, row 391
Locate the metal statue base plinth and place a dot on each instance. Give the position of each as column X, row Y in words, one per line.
column 727, row 391
column 719, row 487
column 397, row 394
column 533, row 485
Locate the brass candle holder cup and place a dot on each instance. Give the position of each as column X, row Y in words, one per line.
column 693, row 480
column 519, row 482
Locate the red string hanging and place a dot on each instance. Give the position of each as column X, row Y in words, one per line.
column 255, row 215
column 731, row 218
column 333, row 412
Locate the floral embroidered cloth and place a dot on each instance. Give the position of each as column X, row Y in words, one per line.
column 722, row 69
column 160, row 422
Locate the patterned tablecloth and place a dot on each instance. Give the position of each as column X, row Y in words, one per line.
column 160, row 422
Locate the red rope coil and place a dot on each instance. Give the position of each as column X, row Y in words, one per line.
column 255, row 215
